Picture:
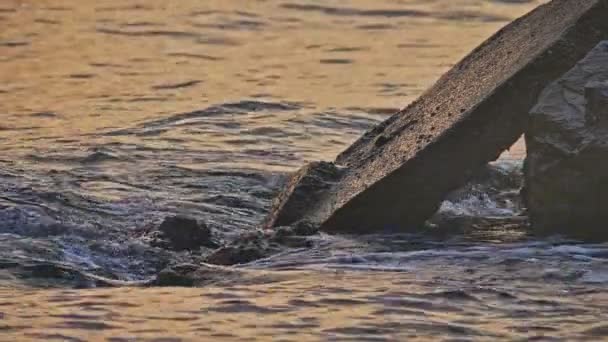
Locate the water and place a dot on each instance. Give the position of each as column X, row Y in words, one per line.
column 119, row 113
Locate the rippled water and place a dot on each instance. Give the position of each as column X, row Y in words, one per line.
column 116, row 114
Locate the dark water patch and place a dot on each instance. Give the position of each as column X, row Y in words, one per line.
column 395, row 13
column 109, row 65
column 375, row 110
column 243, row 306
column 455, row 295
column 98, row 157
column 473, row 16
column 141, row 24
column 417, row 45
column 247, row 14
column 223, row 41
column 136, row 7
column 234, row 108
column 75, row 316
column 268, row 132
column 392, row 87
column 44, row 115
column 58, row 9
column 340, row 301
column 85, row 325
column 336, row 61
column 148, row 99
column 53, row 337
column 47, row 21
column 348, row 49
column 238, row 25
column 14, row 43
column 375, row 27
column 294, row 326
column 313, row 47
column 345, row 11
column 185, row 84
column 195, row 55
column 149, row 33
column 340, row 121
column 81, row 76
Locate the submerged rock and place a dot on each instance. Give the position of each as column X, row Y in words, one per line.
column 190, row 275
column 182, row 233
column 39, row 273
column 248, row 247
column 396, row 175
column 262, row 244
column 566, row 169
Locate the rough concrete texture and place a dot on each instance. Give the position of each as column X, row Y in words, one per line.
column 566, row 168
column 397, row 174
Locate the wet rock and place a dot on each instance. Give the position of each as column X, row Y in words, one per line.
column 296, row 235
column 247, row 248
column 182, row 233
column 300, row 228
column 566, row 169
column 260, row 244
column 190, row 275
column 236, row 254
column 302, row 193
column 49, row 274
column 396, row 175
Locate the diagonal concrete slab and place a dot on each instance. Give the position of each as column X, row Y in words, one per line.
column 396, row 175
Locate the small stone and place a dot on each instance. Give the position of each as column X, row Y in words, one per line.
column 184, row 233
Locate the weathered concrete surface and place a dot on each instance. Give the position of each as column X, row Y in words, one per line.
column 397, row 174
column 566, row 168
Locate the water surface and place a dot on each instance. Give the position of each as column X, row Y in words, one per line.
column 118, row 113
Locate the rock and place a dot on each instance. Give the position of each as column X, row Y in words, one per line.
column 189, row 275
column 235, row 255
column 182, row 233
column 49, row 274
column 596, row 94
column 396, row 175
column 301, row 193
column 300, row 228
column 566, row 169
column 246, row 248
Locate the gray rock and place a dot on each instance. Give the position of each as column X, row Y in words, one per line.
column 182, row 233
column 301, row 193
column 396, row 175
column 246, row 248
column 566, row 169
column 186, row 275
